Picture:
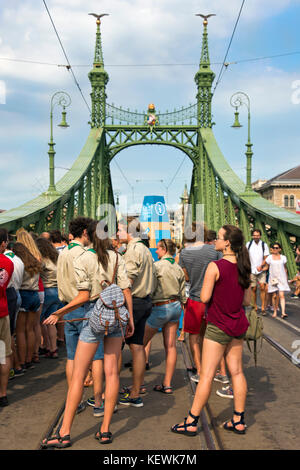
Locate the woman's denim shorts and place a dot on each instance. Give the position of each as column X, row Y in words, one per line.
column 30, row 300
column 88, row 336
column 164, row 314
column 51, row 302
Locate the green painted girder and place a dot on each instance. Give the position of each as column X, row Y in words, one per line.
column 182, row 137
column 32, row 211
column 235, row 188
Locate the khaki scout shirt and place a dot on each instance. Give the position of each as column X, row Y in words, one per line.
column 89, row 272
column 139, row 267
column 30, row 283
column 66, row 281
column 49, row 273
column 170, row 281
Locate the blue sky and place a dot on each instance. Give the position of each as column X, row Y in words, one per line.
column 140, row 32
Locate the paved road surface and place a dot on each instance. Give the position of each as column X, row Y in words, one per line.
column 272, row 412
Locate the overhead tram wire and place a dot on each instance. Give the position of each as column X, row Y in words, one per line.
column 177, row 171
column 125, row 178
column 254, row 59
column 224, row 61
column 69, row 67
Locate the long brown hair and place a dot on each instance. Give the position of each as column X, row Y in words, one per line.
column 47, row 249
column 237, row 243
column 100, row 244
column 31, row 264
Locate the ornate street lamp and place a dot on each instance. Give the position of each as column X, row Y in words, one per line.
column 62, row 99
column 238, row 99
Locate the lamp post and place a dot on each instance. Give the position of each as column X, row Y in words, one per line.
column 62, row 99
column 238, row 99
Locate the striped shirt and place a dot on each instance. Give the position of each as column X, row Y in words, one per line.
column 195, row 260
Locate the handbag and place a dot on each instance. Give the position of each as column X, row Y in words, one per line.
column 109, row 310
column 254, row 331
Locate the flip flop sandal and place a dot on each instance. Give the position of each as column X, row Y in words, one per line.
column 235, row 423
column 163, row 389
column 61, row 444
column 106, row 435
column 176, row 428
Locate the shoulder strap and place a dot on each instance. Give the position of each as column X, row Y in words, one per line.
column 263, row 247
column 115, row 269
column 250, row 243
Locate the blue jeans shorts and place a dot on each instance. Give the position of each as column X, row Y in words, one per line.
column 73, row 331
column 88, row 336
column 51, row 302
column 164, row 314
column 30, row 300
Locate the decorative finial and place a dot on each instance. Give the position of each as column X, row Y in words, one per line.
column 98, row 16
column 205, row 22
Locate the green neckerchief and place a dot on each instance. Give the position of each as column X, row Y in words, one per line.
column 171, row 260
column 71, row 245
column 92, row 250
column 10, row 254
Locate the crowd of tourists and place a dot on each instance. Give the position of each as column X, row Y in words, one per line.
column 50, row 285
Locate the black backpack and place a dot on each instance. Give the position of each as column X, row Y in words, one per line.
column 262, row 244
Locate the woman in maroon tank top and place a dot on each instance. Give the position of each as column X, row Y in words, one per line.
column 225, row 290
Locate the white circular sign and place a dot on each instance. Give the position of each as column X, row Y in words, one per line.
column 160, row 208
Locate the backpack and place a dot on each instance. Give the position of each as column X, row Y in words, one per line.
column 255, row 330
column 262, row 245
column 109, row 310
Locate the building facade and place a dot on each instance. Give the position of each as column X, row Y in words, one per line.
column 283, row 190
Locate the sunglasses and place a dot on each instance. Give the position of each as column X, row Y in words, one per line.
column 276, row 247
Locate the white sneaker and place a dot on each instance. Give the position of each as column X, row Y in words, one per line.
column 195, row 378
column 221, row 378
column 226, row 392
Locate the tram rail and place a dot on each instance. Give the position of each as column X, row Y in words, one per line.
column 280, row 348
column 53, row 426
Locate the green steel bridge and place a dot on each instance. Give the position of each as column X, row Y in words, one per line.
column 87, row 185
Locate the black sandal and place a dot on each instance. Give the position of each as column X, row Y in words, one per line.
column 236, row 423
column 185, row 425
column 106, row 435
column 163, row 389
column 58, row 445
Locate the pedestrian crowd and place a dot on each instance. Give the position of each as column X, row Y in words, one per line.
column 51, row 286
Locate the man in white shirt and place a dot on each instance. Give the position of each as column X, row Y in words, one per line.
column 258, row 252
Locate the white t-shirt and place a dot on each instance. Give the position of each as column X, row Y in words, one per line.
column 257, row 253
column 17, row 276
